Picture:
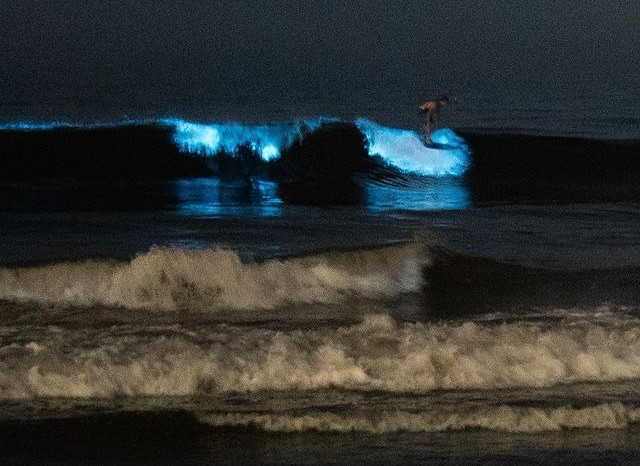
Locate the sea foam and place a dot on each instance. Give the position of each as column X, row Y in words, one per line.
column 378, row 354
column 499, row 418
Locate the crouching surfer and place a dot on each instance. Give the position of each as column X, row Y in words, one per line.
column 430, row 109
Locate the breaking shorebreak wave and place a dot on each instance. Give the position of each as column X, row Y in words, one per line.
column 170, row 279
column 379, row 354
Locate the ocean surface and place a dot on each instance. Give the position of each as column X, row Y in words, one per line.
column 321, row 289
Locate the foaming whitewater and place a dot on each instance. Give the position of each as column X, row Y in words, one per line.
column 170, row 279
column 500, row 418
column 268, row 140
column 405, row 150
column 377, row 355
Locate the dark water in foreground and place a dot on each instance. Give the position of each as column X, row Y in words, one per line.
column 321, row 306
column 143, row 438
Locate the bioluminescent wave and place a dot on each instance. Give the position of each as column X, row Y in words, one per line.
column 401, row 149
column 405, row 150
column 267, row 140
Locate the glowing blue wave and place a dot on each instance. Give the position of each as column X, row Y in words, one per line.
column 266, row 140
column 405, row 150
column 400, row 148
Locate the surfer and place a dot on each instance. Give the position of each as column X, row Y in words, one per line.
column 430, row 109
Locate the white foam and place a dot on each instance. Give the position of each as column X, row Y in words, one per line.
column 500, row 418
column 376, row 355
column 211, row 279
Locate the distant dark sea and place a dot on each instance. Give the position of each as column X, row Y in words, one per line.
column 280, row 283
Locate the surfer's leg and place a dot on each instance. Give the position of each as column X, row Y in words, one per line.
column 429, row 127
column 425, row 132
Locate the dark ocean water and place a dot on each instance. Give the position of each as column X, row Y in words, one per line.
column 321, row 290
column 577, row 105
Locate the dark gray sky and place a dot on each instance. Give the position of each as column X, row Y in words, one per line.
column 167, row 51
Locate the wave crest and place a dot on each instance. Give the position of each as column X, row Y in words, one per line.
column 172, row 279
column 378, row 354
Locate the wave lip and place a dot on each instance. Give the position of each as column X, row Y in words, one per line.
column 268, row 140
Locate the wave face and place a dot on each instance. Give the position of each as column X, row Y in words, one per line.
column 169, row 279
column 376, row 355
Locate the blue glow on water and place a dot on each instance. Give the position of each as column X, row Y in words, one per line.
column 405, row 150
column 27, row 126
column 447, row 137
column 268, row 140
column 448, row 193
column 269, row 152
column 38, row 126
column 210, row 197
column 194, row 138
column 400, row 148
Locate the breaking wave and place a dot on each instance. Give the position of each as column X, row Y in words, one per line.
column 170, row 279
column 493, row 167
column 378, row 354
column 170, row 148
column 402, row 149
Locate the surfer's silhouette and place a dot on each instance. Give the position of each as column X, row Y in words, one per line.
column 430, row 109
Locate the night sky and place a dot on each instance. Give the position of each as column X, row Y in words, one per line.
column 168, row 52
